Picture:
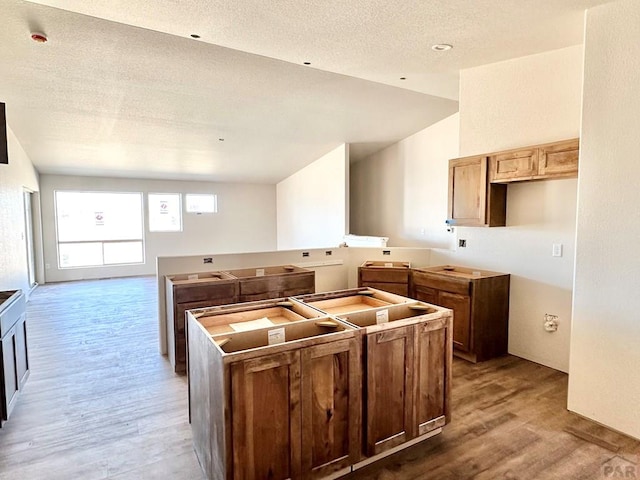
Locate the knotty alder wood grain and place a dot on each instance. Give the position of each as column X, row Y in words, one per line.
column 102, row 403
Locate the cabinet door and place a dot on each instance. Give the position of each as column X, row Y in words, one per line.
column 473, row 201
column 433, row 374
column 559, row 159
column 9, row 372
column 331, row 407
column 22, row 356
column 461, row 306
column 426, row 294
column 265, row 417
column 514, row 165
column 390, row 358
column 468, row 190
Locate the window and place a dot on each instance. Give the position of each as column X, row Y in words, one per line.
column 201, row 203
column 98, row 228
column 165, row 213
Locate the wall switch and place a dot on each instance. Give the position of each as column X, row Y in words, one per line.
column 556, row 251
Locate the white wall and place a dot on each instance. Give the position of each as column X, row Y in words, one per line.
column 14, row 178
column 605, row 351
column 313, row 208
column 399, row 192
column 516, row 103
column 245, row 222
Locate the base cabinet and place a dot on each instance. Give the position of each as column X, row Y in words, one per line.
column 189, row 291
column 391, row 277
column 287, row 410
column 14, row 356
column 339, row 392
column 209, row 289
column 480, row 303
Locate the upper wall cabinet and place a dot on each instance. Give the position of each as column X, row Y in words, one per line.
column 472, row 200
column 477, row 185
column 552, row 160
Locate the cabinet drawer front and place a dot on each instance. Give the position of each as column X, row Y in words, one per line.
column 384, row 275
column 510, row 166
column 442, row 282
column 198, row 293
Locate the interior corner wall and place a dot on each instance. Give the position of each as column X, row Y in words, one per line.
column 401, row 191
column 16, row 176
column 312, row 204
column 245, row 222
column 516, row 103
column 603, row 377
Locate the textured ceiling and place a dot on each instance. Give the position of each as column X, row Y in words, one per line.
column 122, row 90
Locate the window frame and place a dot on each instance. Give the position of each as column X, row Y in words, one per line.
column 141, row 239
column 178, row 210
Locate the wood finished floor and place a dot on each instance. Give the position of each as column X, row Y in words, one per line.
column 101, row 402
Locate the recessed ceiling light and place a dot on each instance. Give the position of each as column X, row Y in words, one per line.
column 307, row 63
column 195, row 35
column 441, row 47
column 403, row 78
column 221, row 139
column 39, row 37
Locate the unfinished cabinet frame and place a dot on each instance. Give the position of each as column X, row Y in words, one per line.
column 342, row 390
column 391, row 277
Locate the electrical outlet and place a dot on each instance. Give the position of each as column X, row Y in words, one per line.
column 207, row 260
column 550, row 322
column 462, row 243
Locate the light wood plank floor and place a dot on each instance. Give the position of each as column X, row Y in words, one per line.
column 101, row 402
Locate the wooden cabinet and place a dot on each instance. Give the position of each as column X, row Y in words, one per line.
column 388, row 276
column 407, row 372
column 273, row 282
column 478, row 184
column 14, row 354
column 188, row 291
column 473, row 201
column 480, row 303
column 208, row 289
column 275, row 410
column 551, row 160
column 296, row 409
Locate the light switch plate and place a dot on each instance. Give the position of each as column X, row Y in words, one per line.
column 557, row 250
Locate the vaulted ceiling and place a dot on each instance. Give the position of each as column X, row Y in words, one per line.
column 122, row 89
